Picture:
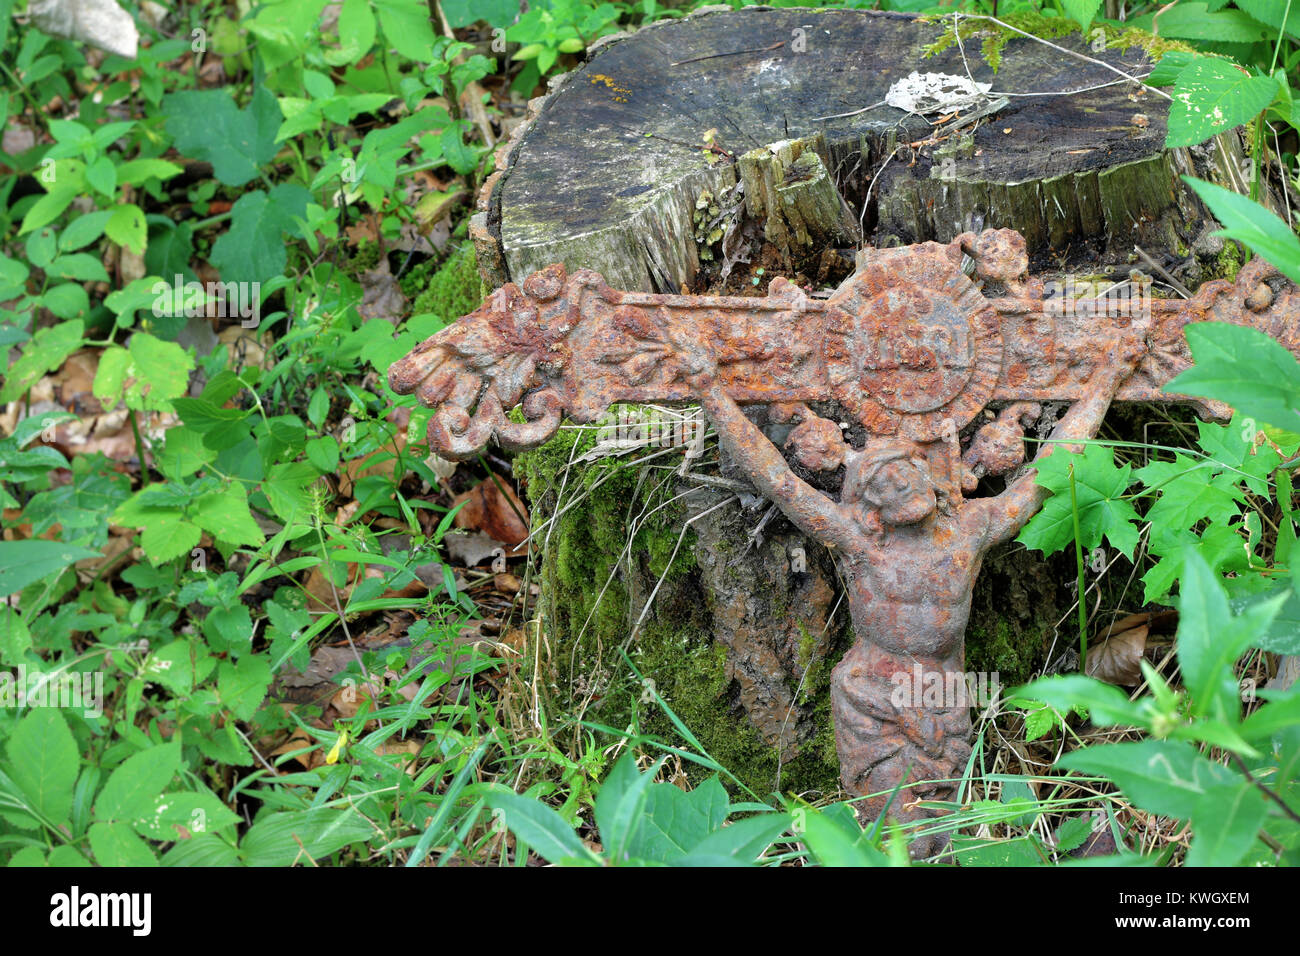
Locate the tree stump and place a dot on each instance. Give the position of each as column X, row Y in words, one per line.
column 739, row 631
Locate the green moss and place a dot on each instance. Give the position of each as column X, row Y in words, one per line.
column 453, row 290
column 588, row 614
column 1229, row 261
column 365, row 257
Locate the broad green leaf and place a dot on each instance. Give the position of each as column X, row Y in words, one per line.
column 207, row 125
column 620, row 806
column 407, row 28
column 30, row 560
column 1099, row 490
column 185, row 814
column 537, row 825
column 148, row 374
column 131, row 791
column 45, row 352
column 1164, row 776
column 253, row 249
column 206, row 849
column 1195, row 21
column 115, row 845
column 1106, row 703
column 1252, row 224
column 742, row 841
column 301, row 837
column 1225, row 823
column 1081, row 11
column 1245, row 368
column 676, row 821
column 79, row 266
column 356, row 32
column 831, row 845
column 242, row 686
column 127, row 228
column 168, row 536
column 1210, row 639
column 225, row 513
column 1212, row 96
column 44, row 761
column 136, row 171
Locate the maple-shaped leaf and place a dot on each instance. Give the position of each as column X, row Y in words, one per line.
column 1190, row 492
column 1233, row 448
column 1099, row 487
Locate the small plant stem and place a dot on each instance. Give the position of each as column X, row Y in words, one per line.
column 139, row 449
column 1078, row 561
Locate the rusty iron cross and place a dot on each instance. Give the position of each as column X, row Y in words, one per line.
column 913, row 348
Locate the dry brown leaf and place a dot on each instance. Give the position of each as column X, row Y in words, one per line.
column 1115, row 660
column 381, row 296
column 493, row 513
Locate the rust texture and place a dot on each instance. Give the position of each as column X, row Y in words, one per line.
column 913, row 346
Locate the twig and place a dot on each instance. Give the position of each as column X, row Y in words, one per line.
column 1060, row 49
column 1164, row 273
column 1241, row 765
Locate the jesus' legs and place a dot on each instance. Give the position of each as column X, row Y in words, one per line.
column 897, row 721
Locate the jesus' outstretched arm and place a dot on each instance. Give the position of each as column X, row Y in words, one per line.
column 812, row 511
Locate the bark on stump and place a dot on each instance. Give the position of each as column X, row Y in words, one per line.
column 609, row 172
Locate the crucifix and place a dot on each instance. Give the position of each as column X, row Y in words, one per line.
column 912, row 349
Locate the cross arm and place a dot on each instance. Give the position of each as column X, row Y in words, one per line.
column 1010, row 511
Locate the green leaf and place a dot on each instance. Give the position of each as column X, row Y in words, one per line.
column 1252, row 224
column 79, row 266
column 300, row 837
column 1163, row 776
column 45, row 352
column 1225, row 824
column 171, row 666
column 225, row 513
column 1194, row 21
column 537, row 825
column 253, row 249
column 1072, row 833
column 44, row 761
column 148, row 374
column 1189, row 492
column 131, row 791
column 243, row 686
column 206, row 125
column 356, row 32
column 168, row 536
column 324, row 453
column 102, row 175
column 137, row 171
column 184, row 815
column 67, row 301
column 1281, row 710
column 676, row 821
column 1099, row 490
column 1210, row 639
column 1081, row 11
column 833, row 844
column 127, row 228
column 30, row 560
column 406, row 28
column 115, row 845
column 460, row 157
column 1245, row 368
column 1212, row 96
column 742, row 841
column 620, row 806
column 206, row 849
column 1106, row 704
